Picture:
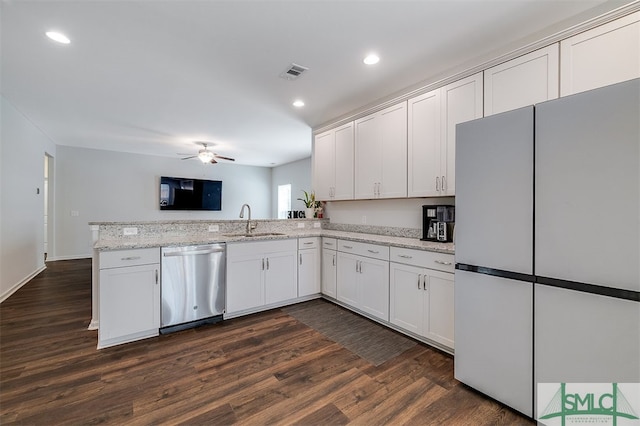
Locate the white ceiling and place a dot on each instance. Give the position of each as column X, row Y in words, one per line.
column 151, row 77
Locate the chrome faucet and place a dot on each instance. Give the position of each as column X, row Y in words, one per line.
column 250, row 227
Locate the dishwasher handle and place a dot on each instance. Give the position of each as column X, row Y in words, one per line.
column 193, row 252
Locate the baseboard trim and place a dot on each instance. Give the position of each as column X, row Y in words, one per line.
column 74, row 257
column 93, row 325
column 19, row 284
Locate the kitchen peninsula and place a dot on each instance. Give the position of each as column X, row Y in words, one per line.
column 386, row 274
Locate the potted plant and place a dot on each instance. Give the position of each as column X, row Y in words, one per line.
column 309, row 201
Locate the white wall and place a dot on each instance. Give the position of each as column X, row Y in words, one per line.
column 23, row 147
column 401, row 213
column 105, row 186
column 298, row 174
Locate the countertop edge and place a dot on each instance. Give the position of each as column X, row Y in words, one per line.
column 401, row 242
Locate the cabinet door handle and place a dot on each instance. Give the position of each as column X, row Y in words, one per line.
column 156, row 277
column 444, row 184
column 437, row 183
column 267, row 263
column 405, row 256
column 334, row 260
column 442, row 262
column 419, row 278
column 424, row 282
column 373, row 251
column 130, row 258
column 348, row 247
column 263, row 263
column 308, row 242
column 300, row 256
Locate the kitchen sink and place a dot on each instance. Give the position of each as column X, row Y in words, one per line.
column 254, row 234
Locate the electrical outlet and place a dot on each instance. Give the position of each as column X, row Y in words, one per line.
column 364, row 220
column 130, row 231
column 300, row 224
column 214, row 228
column 75, row 213
column 316, row 224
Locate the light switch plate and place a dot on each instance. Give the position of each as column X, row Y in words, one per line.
column 300, row 224
column 130, row 231
column 214, row 228
column 316, row 224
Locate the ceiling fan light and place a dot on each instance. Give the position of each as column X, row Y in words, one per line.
column 205, row 156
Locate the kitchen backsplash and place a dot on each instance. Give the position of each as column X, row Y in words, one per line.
column 377, row 230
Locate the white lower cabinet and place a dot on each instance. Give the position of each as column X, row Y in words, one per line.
column 129, row 296
column 363, row 282
column 329, row 267
column 261, row 273
column 421, row 301
column 308, row 266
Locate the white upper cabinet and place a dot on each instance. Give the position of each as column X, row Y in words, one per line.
column 432, row 135
column 461, row 101
column 424, row 145
column 523, row 81
column 333, row 164
column 602, row 56
column 381, row 154
column 393, row 130
column 324, row 165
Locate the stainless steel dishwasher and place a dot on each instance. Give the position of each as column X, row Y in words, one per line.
column 193, row 286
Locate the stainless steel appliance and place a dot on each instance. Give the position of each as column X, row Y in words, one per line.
column 193, row 286
column 538, row 299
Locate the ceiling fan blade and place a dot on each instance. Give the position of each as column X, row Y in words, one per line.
column 224, row 158
column 187, row 158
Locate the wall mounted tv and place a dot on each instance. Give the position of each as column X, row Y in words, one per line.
column 190, row 194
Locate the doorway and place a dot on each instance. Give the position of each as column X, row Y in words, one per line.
column 48, row 205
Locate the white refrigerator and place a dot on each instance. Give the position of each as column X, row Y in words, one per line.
column 547, row 245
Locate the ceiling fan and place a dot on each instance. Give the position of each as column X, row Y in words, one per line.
column 207, row 156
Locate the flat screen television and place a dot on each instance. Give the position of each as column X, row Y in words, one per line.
column 190, row 194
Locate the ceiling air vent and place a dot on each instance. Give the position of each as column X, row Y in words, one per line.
column 293, row 72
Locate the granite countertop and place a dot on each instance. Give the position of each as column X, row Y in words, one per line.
column 170, row 239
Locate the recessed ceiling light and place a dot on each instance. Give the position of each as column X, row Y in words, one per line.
column 59, row 37
column 298, row 103
column 371, row 59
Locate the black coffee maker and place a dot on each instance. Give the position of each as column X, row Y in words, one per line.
column 438, row 223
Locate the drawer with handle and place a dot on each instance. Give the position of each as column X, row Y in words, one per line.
column 329, row 243
column 364, row 249
column 132, row 257
column 308, row 243
column 424, row 259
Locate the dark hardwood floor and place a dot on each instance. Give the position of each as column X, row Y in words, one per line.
column 266, row 368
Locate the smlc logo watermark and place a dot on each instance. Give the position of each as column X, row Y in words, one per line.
column 562, row 404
